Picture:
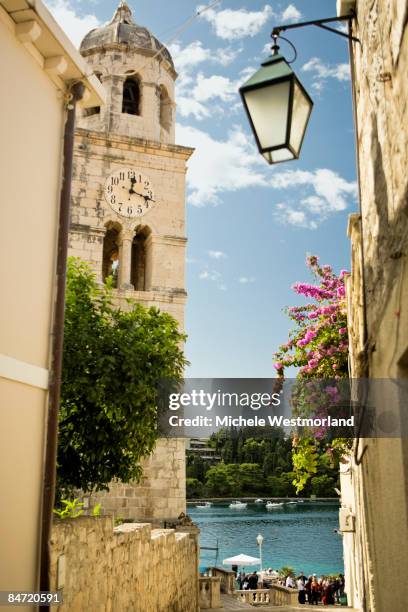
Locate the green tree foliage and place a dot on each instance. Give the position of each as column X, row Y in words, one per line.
column 112, row 364
column 282, row 485
column 196, row 467
column 194, row 488
column 321, row 484
column 271, row 475
column 223, row 480
column 251, row 478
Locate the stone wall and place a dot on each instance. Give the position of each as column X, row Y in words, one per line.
column 375, row 486
column 161, row 494
column 129, row 568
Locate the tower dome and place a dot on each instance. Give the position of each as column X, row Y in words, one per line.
column 138, row 74
column 122, row 30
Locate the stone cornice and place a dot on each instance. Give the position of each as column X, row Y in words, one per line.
column 136, row 144
column 127, row 48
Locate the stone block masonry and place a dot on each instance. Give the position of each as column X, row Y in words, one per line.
column 161, row 493
column 129, row 568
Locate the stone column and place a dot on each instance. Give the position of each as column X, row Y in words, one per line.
column 125, row 259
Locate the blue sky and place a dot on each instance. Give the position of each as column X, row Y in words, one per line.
column 249, row 225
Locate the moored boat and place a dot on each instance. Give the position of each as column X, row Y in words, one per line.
column 237, row 505
column 273, row 504
column 204, row 505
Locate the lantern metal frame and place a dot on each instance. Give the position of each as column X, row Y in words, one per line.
column 291, row 79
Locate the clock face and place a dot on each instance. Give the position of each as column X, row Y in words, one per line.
column 129, row 193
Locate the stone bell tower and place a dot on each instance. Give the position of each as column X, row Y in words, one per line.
column 128, row 213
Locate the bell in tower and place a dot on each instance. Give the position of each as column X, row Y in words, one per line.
column 138, row 74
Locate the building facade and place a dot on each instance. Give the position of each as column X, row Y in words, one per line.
column 35, row 57
column 375, row 482
column 128, row 213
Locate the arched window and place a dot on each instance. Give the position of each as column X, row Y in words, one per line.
column 110, row 261
column 131, row 97
column 165, row 108
column 138, row 276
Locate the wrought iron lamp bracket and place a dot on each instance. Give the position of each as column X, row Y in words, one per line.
column 320, row 23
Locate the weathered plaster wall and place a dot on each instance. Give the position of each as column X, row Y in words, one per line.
column 131, row 568
column 379, row 496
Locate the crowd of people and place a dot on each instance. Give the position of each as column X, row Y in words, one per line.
column 327, row 590
column 247, row 581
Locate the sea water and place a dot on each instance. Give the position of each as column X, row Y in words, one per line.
column 300, row 535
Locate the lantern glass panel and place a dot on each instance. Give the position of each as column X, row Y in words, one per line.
column 268, row 108
column 280, row 155
column 302, row 107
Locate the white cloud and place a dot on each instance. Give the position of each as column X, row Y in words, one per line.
column 186, row 58
column 215, row 86
column 267, row 49
column 286, row 214
column 219, row 166
column 330, row 195
column 188, row 106
column 230, row 24
column 75, row 26
column 291, row 13
column 314, row 204
column 217, row 254
column 321, row 72
column 226, row 55
column 327, row 184
column 211, row 275
column 225, row 166
column 189, row 57
column 244, row 280
column 193, row 90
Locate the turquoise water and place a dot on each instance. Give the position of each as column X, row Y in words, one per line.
column 299, row 535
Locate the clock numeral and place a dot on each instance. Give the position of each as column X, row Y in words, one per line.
column 113, row 199
column 131, row 174
column 139, row 210
column 114, row 180
column 129, row 210
column 121, row 176
column 109, row 189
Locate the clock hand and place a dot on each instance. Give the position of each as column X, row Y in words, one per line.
column 132, row 181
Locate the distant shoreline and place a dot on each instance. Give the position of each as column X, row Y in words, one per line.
column 265, row 499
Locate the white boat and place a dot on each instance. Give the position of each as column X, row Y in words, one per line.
column 259, row 501
column 291, row 502
column 238, row 505
column 204, row 505
column 273, row 504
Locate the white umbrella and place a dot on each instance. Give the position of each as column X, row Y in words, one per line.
column 242, row 560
